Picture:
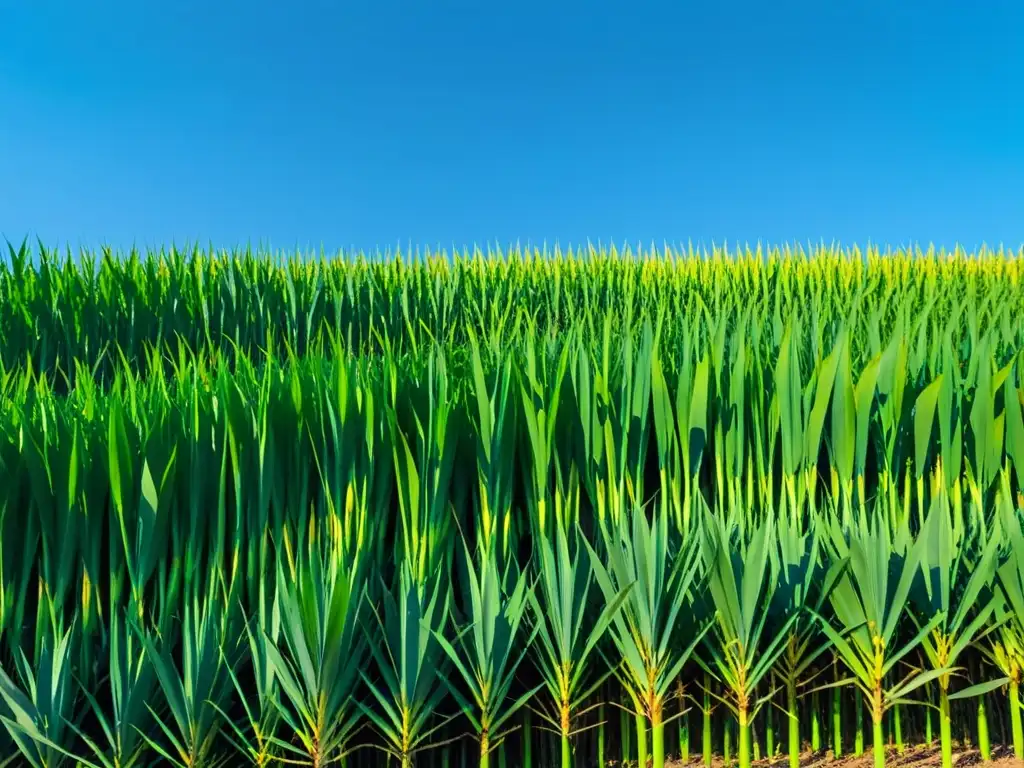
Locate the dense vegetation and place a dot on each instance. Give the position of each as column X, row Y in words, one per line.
column 521, row 508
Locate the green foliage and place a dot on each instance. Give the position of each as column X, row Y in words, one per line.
column 268, row 510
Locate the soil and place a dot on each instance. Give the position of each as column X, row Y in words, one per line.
column 912, row 757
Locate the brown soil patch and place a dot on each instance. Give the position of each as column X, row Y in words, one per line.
column 912, row 757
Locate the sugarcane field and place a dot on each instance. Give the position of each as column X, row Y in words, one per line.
column 512, row 508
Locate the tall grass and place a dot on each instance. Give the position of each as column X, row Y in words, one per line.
column 259, row 512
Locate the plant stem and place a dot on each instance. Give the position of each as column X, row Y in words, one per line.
column 527, row 739
column 984, row 746
column 945, row 731
column 657, row 740
column 879, row 743
column 625, row 736
column 641, row 740
column 566, row 752
column 928, row 736
column 794, row 725
column 600, row 736
column 837, row 723
column 706, row 743
column 1015, row 723
column 815, row 724
column 858, row 737
column 684, row 737
column 744, row 739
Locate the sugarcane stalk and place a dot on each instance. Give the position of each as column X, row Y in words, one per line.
column 837, row 717
column 945, row 729
column 984, row 745
column 566, row 748
column 928, row 736
column 815, row 723
column 794, row 725
column 657, row 738
column 706, row 743
column 858, row 737
column 684, row 730
column 641, row 740
column 744, row 737
column 625, row 734
column 878, row 720
column 879, row 744
column 527, row 739
column 1015, row 722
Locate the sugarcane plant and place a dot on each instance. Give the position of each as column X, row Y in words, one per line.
column 411, row 664
column 1004, row 650
column 741, row 577
column 232, row 488
column 317, row 660
column 1007, row 651
column 131, row 681
column 38, row 707
column 806, row 579
column 409, row 658
column 651, row 650
column 253, row 736
column 195, row 688
column 869, row 601
column 567, row 630
column 958, row 572
column 488, row 648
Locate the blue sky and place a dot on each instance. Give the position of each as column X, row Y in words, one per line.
column 370, row 123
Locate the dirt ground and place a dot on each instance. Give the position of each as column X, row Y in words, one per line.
column 912, row 757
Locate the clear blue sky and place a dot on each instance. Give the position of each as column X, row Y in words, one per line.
column 374, row 122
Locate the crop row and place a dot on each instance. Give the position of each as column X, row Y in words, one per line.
column 591, row 522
